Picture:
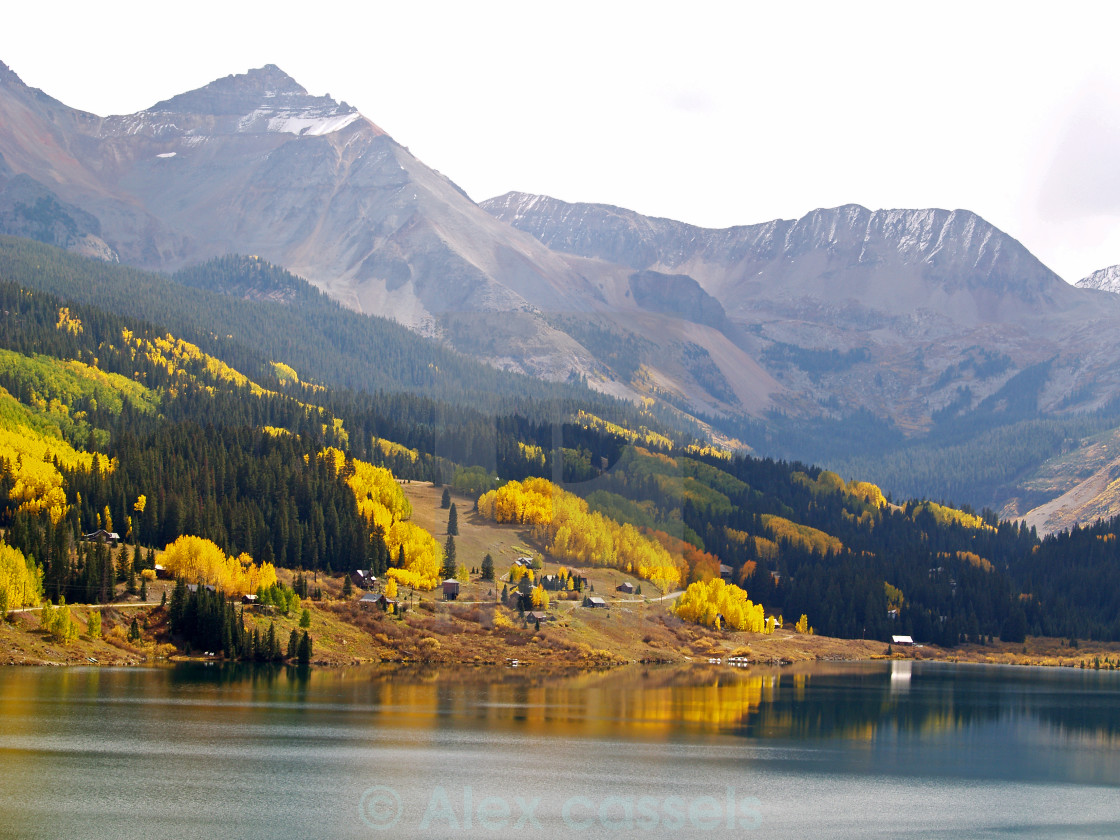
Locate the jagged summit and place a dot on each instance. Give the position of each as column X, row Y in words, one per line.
column 954, row 248
column 7, row 74
column 265, row 99
column 1105, row 280
column 238, row 94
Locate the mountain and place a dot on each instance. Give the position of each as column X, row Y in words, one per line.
column 904, row 312
column 1104, row 280
column 252, row 163
column 918, row 303
column 923, row 349
column 846, row 337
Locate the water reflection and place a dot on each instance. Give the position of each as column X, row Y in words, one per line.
column 129, row 752
column 819, row 701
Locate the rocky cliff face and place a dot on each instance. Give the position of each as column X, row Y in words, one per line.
column 254, row 164
column 901, row 297
column 902, row 312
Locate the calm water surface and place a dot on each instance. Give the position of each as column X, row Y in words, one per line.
column 838, row 750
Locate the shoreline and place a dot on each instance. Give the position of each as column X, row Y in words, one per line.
column 554, row 651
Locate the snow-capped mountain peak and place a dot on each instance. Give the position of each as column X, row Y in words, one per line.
column 1105, row 280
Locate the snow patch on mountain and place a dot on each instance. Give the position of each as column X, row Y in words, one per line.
column 303, row 122
column 1105, row 280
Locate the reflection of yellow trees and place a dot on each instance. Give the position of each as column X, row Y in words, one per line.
column 567, row 527
column 199, row 559
column 21, row 582
column 585, row 705
column 383, row 505
column 715, row 603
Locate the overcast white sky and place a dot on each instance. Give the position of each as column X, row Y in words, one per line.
column 710, row 113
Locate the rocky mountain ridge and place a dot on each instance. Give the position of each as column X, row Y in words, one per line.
column 905, row 295
column 1103, row 280
column 926, row 320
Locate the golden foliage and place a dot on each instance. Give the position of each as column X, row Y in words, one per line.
column 532, row 454
column 198, row 559
column 946, row 515
column 21, row 582
column 895, row 598
column 975, row 560
column 764, row 548
column 285, row 373
column 642, row 435
column 389, row 448
column 31, row 452
column 539, row 598
column 423, row 555
column 717, row 604
column 384, row 506
column 67, row 322
column 701, row 564
column 390, row 588
column 708, row 450
column 803, row 536
column 569, row 530
column 830, row 482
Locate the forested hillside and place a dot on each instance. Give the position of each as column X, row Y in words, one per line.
column 111, row 421
column 250, row 313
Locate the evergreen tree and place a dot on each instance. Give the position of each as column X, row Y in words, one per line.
column 273, row 644
column 304, row 653
column 347, row 586
column 449, row 558
column 445, row 500
column 305, row 619
column 453, row 522
column 293, row 644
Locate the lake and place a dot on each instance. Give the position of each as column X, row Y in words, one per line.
column 837, row 750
